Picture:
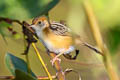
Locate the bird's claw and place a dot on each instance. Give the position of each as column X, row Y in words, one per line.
column 54, row 59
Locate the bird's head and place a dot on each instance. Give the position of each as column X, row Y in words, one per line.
column 39, row 23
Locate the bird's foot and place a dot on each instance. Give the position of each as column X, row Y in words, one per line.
column 54, row 59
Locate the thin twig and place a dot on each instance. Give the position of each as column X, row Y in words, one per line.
column 28, row 64
column 10, row 21
column 41, row 60
column 38, row 77
column 99, row 41
column 60, row 73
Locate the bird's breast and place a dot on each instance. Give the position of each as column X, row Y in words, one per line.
column 59, row 41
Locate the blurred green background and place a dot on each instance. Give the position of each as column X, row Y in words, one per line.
column 88, row 63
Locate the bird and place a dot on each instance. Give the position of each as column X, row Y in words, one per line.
column 55, row 36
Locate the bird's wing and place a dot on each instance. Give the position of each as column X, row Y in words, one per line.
column 59, row 29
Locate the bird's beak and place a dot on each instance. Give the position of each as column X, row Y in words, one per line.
column 32, row 28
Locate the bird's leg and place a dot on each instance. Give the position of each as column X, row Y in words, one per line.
column 56, row 58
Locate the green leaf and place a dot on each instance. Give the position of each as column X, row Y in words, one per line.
column 13, row 63
column 25, row 9
column 20, row 75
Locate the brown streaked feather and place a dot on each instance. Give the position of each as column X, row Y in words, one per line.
column 59, row 29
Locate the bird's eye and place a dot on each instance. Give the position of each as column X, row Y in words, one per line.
column 39, row 22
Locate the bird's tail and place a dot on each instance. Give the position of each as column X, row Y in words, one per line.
column 91, row 47
column 78, row 41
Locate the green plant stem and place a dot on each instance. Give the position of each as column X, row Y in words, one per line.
column 98, row 38
column 27, row 58
column 28, row 64
column 41, row 60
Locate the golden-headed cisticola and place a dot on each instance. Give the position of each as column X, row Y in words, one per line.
column 55, row 36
